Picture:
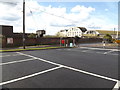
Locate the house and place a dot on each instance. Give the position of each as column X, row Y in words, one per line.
column 91, row 33
column 40, row 33
column 62, row 33
column 100, row 33
column 72, row 32
column 6, row 30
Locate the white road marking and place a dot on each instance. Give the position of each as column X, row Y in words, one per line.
column 85, row 50
column 108, row 52
column 92, row 51
column 40, row 59
column 92, row 74
column 77, row 50
column 58, row 49
column 17, row 61
column 114, row 54
column 5, row 55
column 9, row 55
column 68, row 49
column 117, row 86
column 74, row 69
column 99, row 48
column 29, row 76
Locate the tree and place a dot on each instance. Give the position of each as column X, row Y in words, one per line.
column 58, row 34
column 107, row 38
column 32, row 35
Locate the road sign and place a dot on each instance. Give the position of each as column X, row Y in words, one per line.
column 9, row 40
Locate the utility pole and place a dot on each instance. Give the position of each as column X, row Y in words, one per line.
column 117, row 34
column 114, row 33
column 23, row 24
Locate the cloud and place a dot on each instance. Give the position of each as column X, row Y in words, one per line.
column 106, row 10
column 62, row 25
column 11, row 1
column 82, row 9
column 10, row 18
column 50, row 18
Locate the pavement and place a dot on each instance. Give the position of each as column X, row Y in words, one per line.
column 100, row 45
column 21, row 47
column 82, row 67
column 39, row 47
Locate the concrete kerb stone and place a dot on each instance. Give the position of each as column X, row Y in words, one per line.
column 30, row 49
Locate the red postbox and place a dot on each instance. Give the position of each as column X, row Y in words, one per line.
column 62, row 41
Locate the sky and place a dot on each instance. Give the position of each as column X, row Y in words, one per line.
column 56, row 16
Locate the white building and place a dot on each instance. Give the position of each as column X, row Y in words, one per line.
column 63, row 33
column 91, row 33
column 72, row 32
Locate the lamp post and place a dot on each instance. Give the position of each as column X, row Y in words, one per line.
column 23, row 24
column 117, row 34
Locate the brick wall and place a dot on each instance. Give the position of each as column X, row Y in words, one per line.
column 43, row 41
column 90, row 40
column 48, row 40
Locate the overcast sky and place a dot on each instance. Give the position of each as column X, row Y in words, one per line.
column 54, row 16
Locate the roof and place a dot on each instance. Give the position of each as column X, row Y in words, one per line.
column 63, row 30
column 83, row 29
column 40, row 30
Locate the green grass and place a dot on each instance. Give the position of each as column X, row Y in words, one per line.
column 10, row 50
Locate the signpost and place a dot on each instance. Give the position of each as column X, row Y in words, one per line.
column 9, row 40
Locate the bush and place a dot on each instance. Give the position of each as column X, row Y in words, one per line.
column 108, row 38
column 32, row 35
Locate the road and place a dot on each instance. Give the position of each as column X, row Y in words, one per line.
column 60, row 68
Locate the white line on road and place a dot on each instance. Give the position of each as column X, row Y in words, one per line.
column 99, row 48
column 85, row 50
column 117, row 86
column 78, row 70
column 68, row 49
column 5, row 55
column 92, row 74
column 92, row 51
column 40, row 59
column 58, row 49
column 9, row 55
column 108, row 52
column 77, row 50
column 29, row 76
column 17, row 61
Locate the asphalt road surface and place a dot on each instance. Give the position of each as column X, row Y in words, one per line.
column 61, row 68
